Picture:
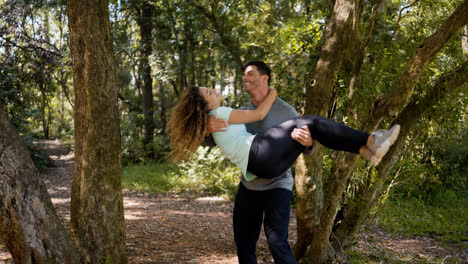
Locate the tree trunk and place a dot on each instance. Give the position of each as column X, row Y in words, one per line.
column 313, row 214
column 465, row 42
column 44, row 107
column 145, row 23
column 29, row 225
column 358, row 208
column 97, row 217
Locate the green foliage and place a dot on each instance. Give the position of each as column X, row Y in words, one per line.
column 358, row 257
column 207, row 172
column 211, row 171
column 152, row 177
column 439, row 158
column 9, row 83
column 39, row 157
column 298, row 35
column 444, row 217
column 133, row 149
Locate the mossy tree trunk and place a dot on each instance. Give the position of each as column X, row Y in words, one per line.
column 97, row 216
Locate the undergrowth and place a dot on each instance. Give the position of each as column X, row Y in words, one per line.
column 444, row 217
column 207, row 172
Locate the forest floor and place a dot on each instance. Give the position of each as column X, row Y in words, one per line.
column 193, row 228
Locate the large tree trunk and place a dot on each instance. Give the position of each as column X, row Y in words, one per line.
column 97, row 217
column 145, row 22
column 29, row 225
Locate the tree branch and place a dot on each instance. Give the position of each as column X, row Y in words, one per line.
column 389, row 105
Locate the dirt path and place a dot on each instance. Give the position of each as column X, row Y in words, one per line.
column 191, row 228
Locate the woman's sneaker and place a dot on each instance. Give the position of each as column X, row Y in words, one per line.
column 368, row 155
column 383, row 139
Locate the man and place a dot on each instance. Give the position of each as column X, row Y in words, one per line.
column 264, row 200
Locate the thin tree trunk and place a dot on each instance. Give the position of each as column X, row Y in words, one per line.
column 44, row 107
column 97, row 217
column 465, row 42
column 29, row 224
column 146, row 27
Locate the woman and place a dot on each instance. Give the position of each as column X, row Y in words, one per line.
column 271, row 153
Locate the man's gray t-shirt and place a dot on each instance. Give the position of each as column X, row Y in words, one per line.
column 280, row 111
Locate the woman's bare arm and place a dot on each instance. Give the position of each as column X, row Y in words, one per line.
column 248, row 116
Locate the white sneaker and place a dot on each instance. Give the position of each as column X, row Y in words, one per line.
column 383, row 139
column 368, row 155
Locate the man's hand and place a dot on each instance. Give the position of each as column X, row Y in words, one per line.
column 302, row 136
column 216, row 125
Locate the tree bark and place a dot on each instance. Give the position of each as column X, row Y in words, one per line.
column 29, row 224
column 97, row 218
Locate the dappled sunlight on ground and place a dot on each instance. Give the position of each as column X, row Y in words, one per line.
column 193, row 228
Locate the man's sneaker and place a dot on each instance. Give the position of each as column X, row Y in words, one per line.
column 383, row 139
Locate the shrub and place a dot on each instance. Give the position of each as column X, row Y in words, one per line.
column 211, row 171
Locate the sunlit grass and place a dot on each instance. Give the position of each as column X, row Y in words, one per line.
column 198, row 176
column 445, row 221
column 443, row 218
column 153, row 178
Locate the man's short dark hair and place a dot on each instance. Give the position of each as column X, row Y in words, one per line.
column 262, row 67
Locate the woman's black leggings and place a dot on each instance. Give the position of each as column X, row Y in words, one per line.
column 274, row 150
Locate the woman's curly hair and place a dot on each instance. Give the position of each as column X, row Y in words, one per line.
column 187, row 124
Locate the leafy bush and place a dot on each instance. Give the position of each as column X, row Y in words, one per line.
column 211, row 171
column 133, row 149
column 152, row 177
column 208, row 171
